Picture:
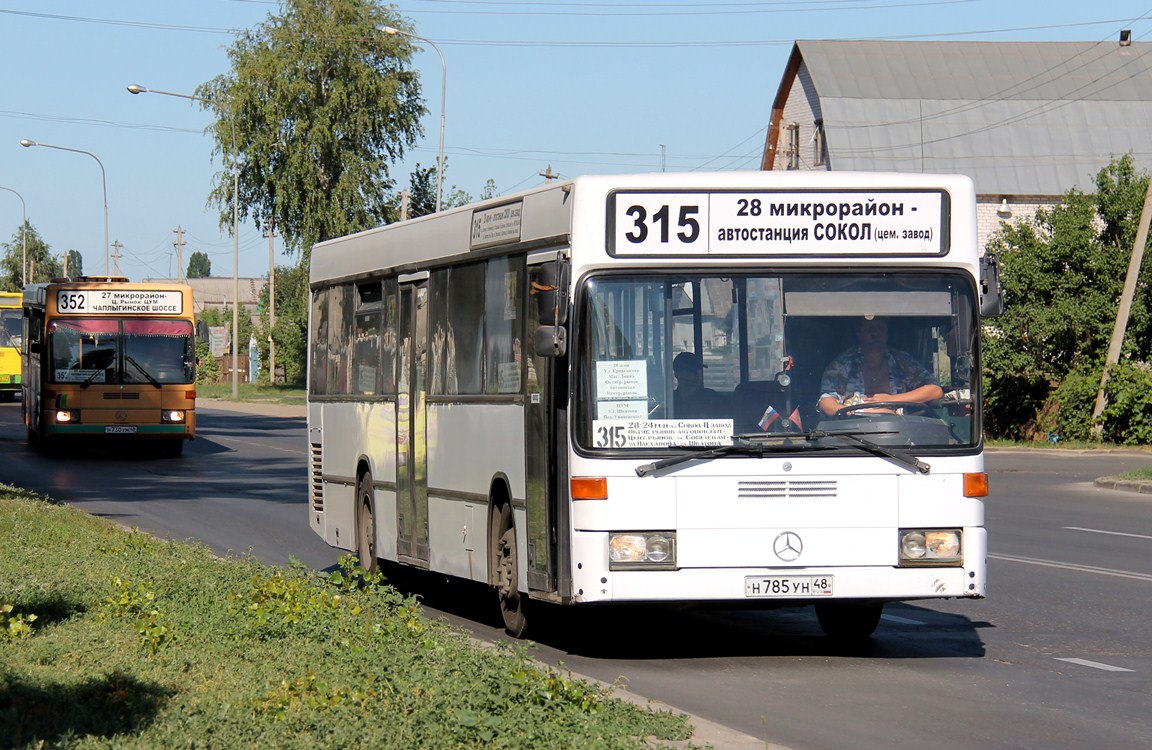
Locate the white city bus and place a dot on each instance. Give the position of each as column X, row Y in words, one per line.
column 492, row 395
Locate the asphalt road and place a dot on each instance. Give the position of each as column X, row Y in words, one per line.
column 1058, row 656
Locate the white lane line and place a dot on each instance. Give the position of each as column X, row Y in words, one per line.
column 1095, row 665
column 1110, row 533
column 900, row 620
column 1080, row 568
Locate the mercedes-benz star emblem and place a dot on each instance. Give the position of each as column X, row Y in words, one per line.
column 788, row 546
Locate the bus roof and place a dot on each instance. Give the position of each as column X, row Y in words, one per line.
column 548, row 214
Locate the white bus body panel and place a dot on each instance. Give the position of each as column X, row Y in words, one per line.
column 461, row 470
column 846, row 510
column 367, row 431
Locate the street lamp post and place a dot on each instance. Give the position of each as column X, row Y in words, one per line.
column 138, row 89
column 103, row 181
column 391, row 30
column 24, row 238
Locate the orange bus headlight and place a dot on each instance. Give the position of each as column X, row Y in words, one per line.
column 641, row 549
column 64, row 416
column 172, row 416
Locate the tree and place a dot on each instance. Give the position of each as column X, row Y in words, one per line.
column 1062, row 274
column 199, row 265
column 321, row 103
column 42, row 266
column 291, row 330
column 74, row 263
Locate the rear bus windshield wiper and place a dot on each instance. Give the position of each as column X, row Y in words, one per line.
column 759, row 443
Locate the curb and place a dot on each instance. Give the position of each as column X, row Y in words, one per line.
column 1124, row 485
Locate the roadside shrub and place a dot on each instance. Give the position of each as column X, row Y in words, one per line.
column 1067, row 413
column 207, row 366
column 1127, row 419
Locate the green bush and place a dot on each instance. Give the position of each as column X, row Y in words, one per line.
column 1067, row 414
column 207, row 366
column 1127, row 418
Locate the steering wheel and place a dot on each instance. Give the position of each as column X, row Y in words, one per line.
column 915, row 407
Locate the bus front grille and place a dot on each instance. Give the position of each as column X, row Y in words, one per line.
column 317, row 478
column 121, row 396
column 771, row 489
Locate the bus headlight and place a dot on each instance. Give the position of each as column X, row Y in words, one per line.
column 931, row 547
column 631, row 550
column 64, row 416
column 172, row 416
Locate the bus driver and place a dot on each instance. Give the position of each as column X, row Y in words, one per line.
column 873, row 373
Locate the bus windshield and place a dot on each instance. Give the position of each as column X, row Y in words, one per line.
column 108, row 350
column 11, row 323
column 692, row 360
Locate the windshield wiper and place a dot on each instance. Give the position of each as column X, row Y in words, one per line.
column 897, row 456
column 760, row 443
column 707, row 453
column 88, row 380
column 143, row 372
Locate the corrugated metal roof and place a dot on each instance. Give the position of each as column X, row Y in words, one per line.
column 1020, row 118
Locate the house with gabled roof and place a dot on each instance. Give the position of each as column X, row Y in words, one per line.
column 1027, row 121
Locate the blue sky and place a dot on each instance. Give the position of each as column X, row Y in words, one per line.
column 581, row 87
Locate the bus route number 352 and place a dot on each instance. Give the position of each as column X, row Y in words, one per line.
column 71, row 301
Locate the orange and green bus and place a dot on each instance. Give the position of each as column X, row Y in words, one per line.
column 10, row 332
column 111, row 361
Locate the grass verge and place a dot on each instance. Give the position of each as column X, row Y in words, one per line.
column 276, row 394
column 112, row 638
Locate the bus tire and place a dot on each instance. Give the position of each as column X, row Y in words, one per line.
column 507, row 572
column 172, row 449
column 849, row 621
column 366, row 524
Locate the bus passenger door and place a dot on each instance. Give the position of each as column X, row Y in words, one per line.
column 546, row 474
column 411, row 433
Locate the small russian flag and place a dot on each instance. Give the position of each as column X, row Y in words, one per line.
column 770, row 416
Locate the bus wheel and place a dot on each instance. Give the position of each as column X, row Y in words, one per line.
column 365, row 524
column 849, row 621
column 172, row 448
column 507, row 575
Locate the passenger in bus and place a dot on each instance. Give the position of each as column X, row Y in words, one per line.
column 691, row 400
column 873, row 373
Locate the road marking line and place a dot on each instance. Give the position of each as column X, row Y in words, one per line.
column 1080, row 568
column 1095, row 665
column 900, row 620
column 1111, row 533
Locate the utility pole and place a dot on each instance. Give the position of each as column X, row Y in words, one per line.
column 1125, row 306
column 271, row 301
column 179, row 253
column 116, row 257
column 549, row 175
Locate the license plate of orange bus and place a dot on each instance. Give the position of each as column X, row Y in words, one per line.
column 787, row 586
column 119, row 429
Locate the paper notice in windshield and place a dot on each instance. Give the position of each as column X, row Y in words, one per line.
column 622, row 389
column 660, row 433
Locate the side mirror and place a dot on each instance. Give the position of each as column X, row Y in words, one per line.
column 991, row 293
column 550, row 291
column 551, row 341
column 35, row 347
